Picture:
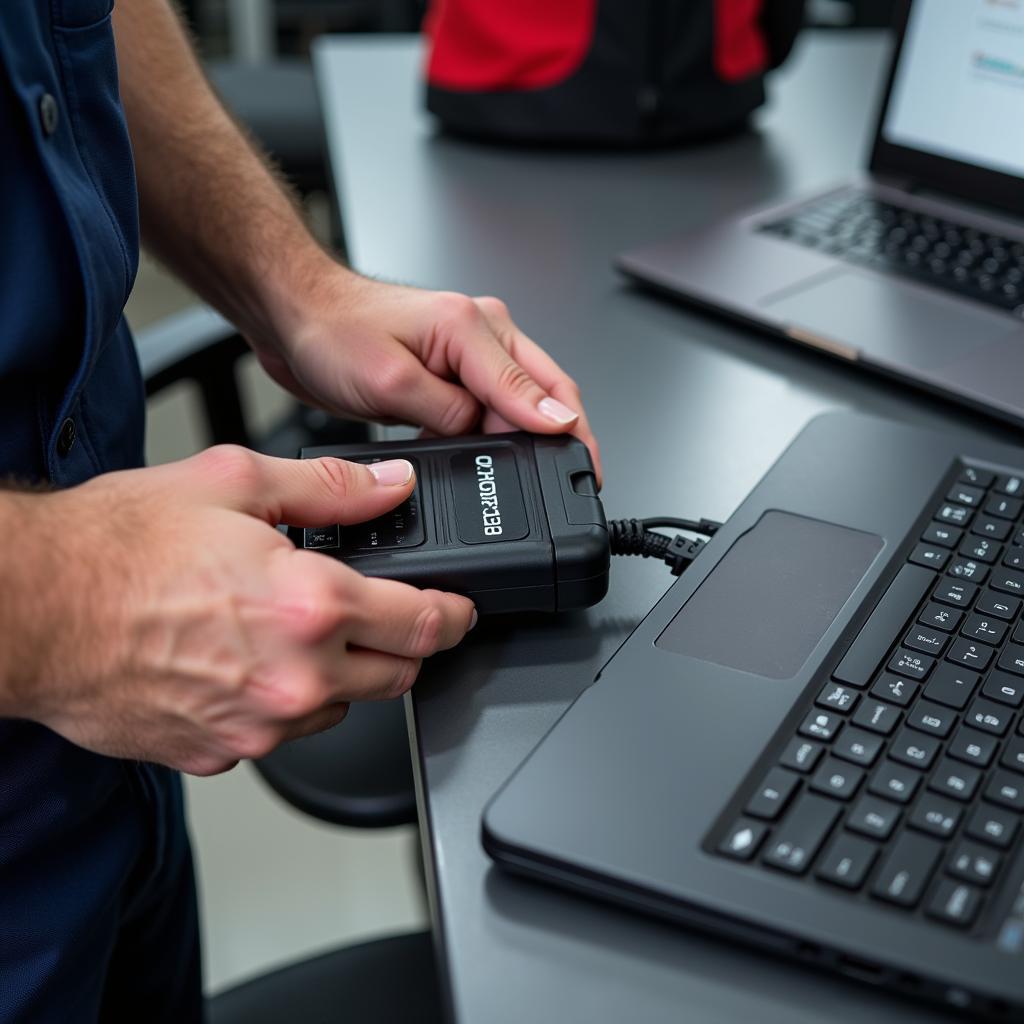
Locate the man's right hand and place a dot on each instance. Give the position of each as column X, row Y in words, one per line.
column 184, row 629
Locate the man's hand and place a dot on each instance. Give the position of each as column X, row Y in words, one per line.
column 443, row 361
column 180, row 627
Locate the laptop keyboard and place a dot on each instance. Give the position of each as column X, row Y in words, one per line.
column 903, row 782
column 862, row 229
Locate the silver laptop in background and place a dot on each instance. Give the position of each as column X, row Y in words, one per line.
column 899, row 270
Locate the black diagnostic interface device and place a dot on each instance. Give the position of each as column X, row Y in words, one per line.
column 512, row 521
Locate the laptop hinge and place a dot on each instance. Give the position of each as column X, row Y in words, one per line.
column 964, row 206
column 894, row 181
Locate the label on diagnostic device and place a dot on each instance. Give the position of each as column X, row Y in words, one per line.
column 488, row 497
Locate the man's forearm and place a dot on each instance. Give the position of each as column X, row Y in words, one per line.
column 210, row 206
column 28, row 601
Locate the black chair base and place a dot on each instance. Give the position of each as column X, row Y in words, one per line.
column 388, row 981
column 357, row 774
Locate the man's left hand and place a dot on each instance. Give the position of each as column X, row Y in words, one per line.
column 439, row 360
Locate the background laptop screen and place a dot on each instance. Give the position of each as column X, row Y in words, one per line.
column 959, row 87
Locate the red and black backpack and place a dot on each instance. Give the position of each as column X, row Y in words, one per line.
column 603, row 71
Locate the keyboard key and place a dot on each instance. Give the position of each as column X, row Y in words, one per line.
column 998, row 606
column 1003, row 507
column 935, row 815
column 773, row 794
column 981, row 627
column 743, row 839
column 873, row 817
column 973, row 863
column 973, row 747
column 907, row 869
column 952, row 685
column 1011, row 485
column 801, row 755
column 911, row 665
column 989, row 717
column 1006, row 789
column 837, row 698
column 992, row 825
column 974, row 655
column 858, row 746
column 877, row 716
column 1006, row 581
column 1012, row 659
column 939, row 617
column 951, row 592
column 821, row 725
column 1013, row 755
column 1014, row 559
column 837, row 779
column 941, row 535
column 955, row 903
column 968, row 569
column 996, row 529
column 925, row 640
column 930, row 557
column 959, row 781
column 1004, row 688
column 977, row 477
column 894, row 782
column 914, row 749
column 957, row 515
column 981, row 549
column 964, row 494
column 847, row 861
column 799, row 835
column 887, row 621
column 893, row 688
column 930, row 718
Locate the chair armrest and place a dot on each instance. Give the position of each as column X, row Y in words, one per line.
column 173, row 340
column 199, row 345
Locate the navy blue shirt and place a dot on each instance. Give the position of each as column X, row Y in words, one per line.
column 82, row 837
column 69, row 246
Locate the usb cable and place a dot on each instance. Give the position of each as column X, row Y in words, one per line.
column 639, row 537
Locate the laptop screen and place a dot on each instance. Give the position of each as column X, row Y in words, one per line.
column 958, row 90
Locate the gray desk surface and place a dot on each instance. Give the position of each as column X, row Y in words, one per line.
column 690, row 412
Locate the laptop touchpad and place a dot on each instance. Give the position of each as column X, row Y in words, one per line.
column 771, row 598
column 887, row 320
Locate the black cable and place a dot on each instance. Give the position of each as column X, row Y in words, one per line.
column 705, row 527
column 633, row 537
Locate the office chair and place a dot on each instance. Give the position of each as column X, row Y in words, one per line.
column 277, row 102
column 389, row 981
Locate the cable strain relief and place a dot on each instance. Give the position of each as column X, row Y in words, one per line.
column 626, row 537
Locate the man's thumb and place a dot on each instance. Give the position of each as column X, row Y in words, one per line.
column 312, row 492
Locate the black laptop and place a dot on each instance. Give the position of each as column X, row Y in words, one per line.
column 917, row 269
column 815, row 741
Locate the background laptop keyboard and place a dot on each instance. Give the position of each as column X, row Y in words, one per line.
column 862, row 229
column 904, row 780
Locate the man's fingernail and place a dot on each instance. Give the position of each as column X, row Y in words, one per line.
column 393, row 473
column 554, row 410
column 474, row 619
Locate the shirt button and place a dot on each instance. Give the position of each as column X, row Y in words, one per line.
column 49, row 113
column 66, row 437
